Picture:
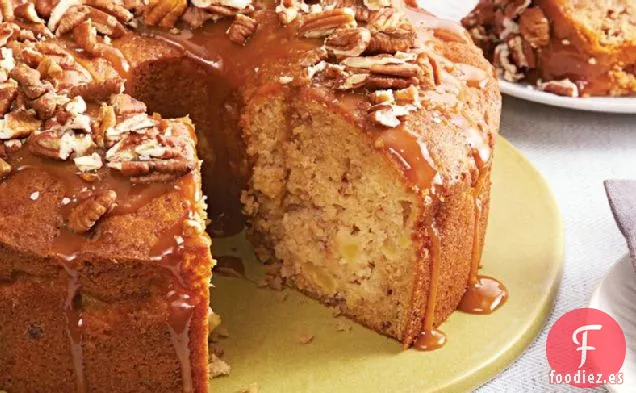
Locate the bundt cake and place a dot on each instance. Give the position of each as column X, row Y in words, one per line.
column 570, row 48
column 355, row 137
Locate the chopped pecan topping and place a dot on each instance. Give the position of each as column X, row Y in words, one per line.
column 107, row 120
column 515, row 8
column 19, row 124
column 46, row 104
column 8, row 32
column 166, row 153
column 60, row 9
column 106, row 24
column 44, row 7
column 386, row 117
column 59, row 147
column 165, row 13
column 98, row 91
column 387, row 18
column 534, row 27
column 88, row 163
column 241, row 29
column 391, row 41
column 49, row 68
column 71, row 19
column 502, row 59
column 7, row 7
column 324, row 23
column 8, row 93
column 522, row 53
column 375, row 5
column 211, row 5
column 383, row 65
column 29, row 81
column 27, row 13
column 112, row 8
column 124, row 105
column 289, row 10
column 348, row 42
column 86, row 214
column 564, row 87
column 5, row 169
column 196, row 17
column 86, row 36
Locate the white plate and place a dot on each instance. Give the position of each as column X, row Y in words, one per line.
column 615, row 296
column 596, row 104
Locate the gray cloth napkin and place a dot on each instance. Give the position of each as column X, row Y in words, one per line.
column 622, row 200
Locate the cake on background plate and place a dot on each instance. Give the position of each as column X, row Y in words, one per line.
column 570, row 48
column 355, row 136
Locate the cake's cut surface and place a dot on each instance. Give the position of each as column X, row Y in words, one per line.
column 570, row 48
column 357, row 138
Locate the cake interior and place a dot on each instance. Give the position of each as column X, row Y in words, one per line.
column 335, row 214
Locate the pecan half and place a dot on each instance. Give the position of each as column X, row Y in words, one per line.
column 60, row 9
column 98, row 91
column 72, row 18
column 502, row 60
column 85, row 215
column 324, row 23
column 7, row 7
column 348, row 42
column 196, row 17
column 29, row 81
column 28, row 13
column 522, row 53
column 86, row 36
column 124, row 105
column 44, row 7
column 564, row 87
column 50, row 144
column 107, row 120
column 45, row 105
column 8, row 93
column 241, row 29
column 392, row 40
column 165, row 13
column 112, row 8
column 105, row 23
column 534, row 27
column 5, row 169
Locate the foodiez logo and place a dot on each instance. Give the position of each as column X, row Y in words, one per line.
column 586, row 348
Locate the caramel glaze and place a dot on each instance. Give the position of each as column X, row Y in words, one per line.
column 169, row 252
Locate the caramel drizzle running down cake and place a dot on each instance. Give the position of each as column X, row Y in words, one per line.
column 356, row 138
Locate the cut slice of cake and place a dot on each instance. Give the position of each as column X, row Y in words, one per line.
column 104, row 259
column 570, row 48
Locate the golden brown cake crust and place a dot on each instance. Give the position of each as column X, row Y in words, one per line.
column 570, row 48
